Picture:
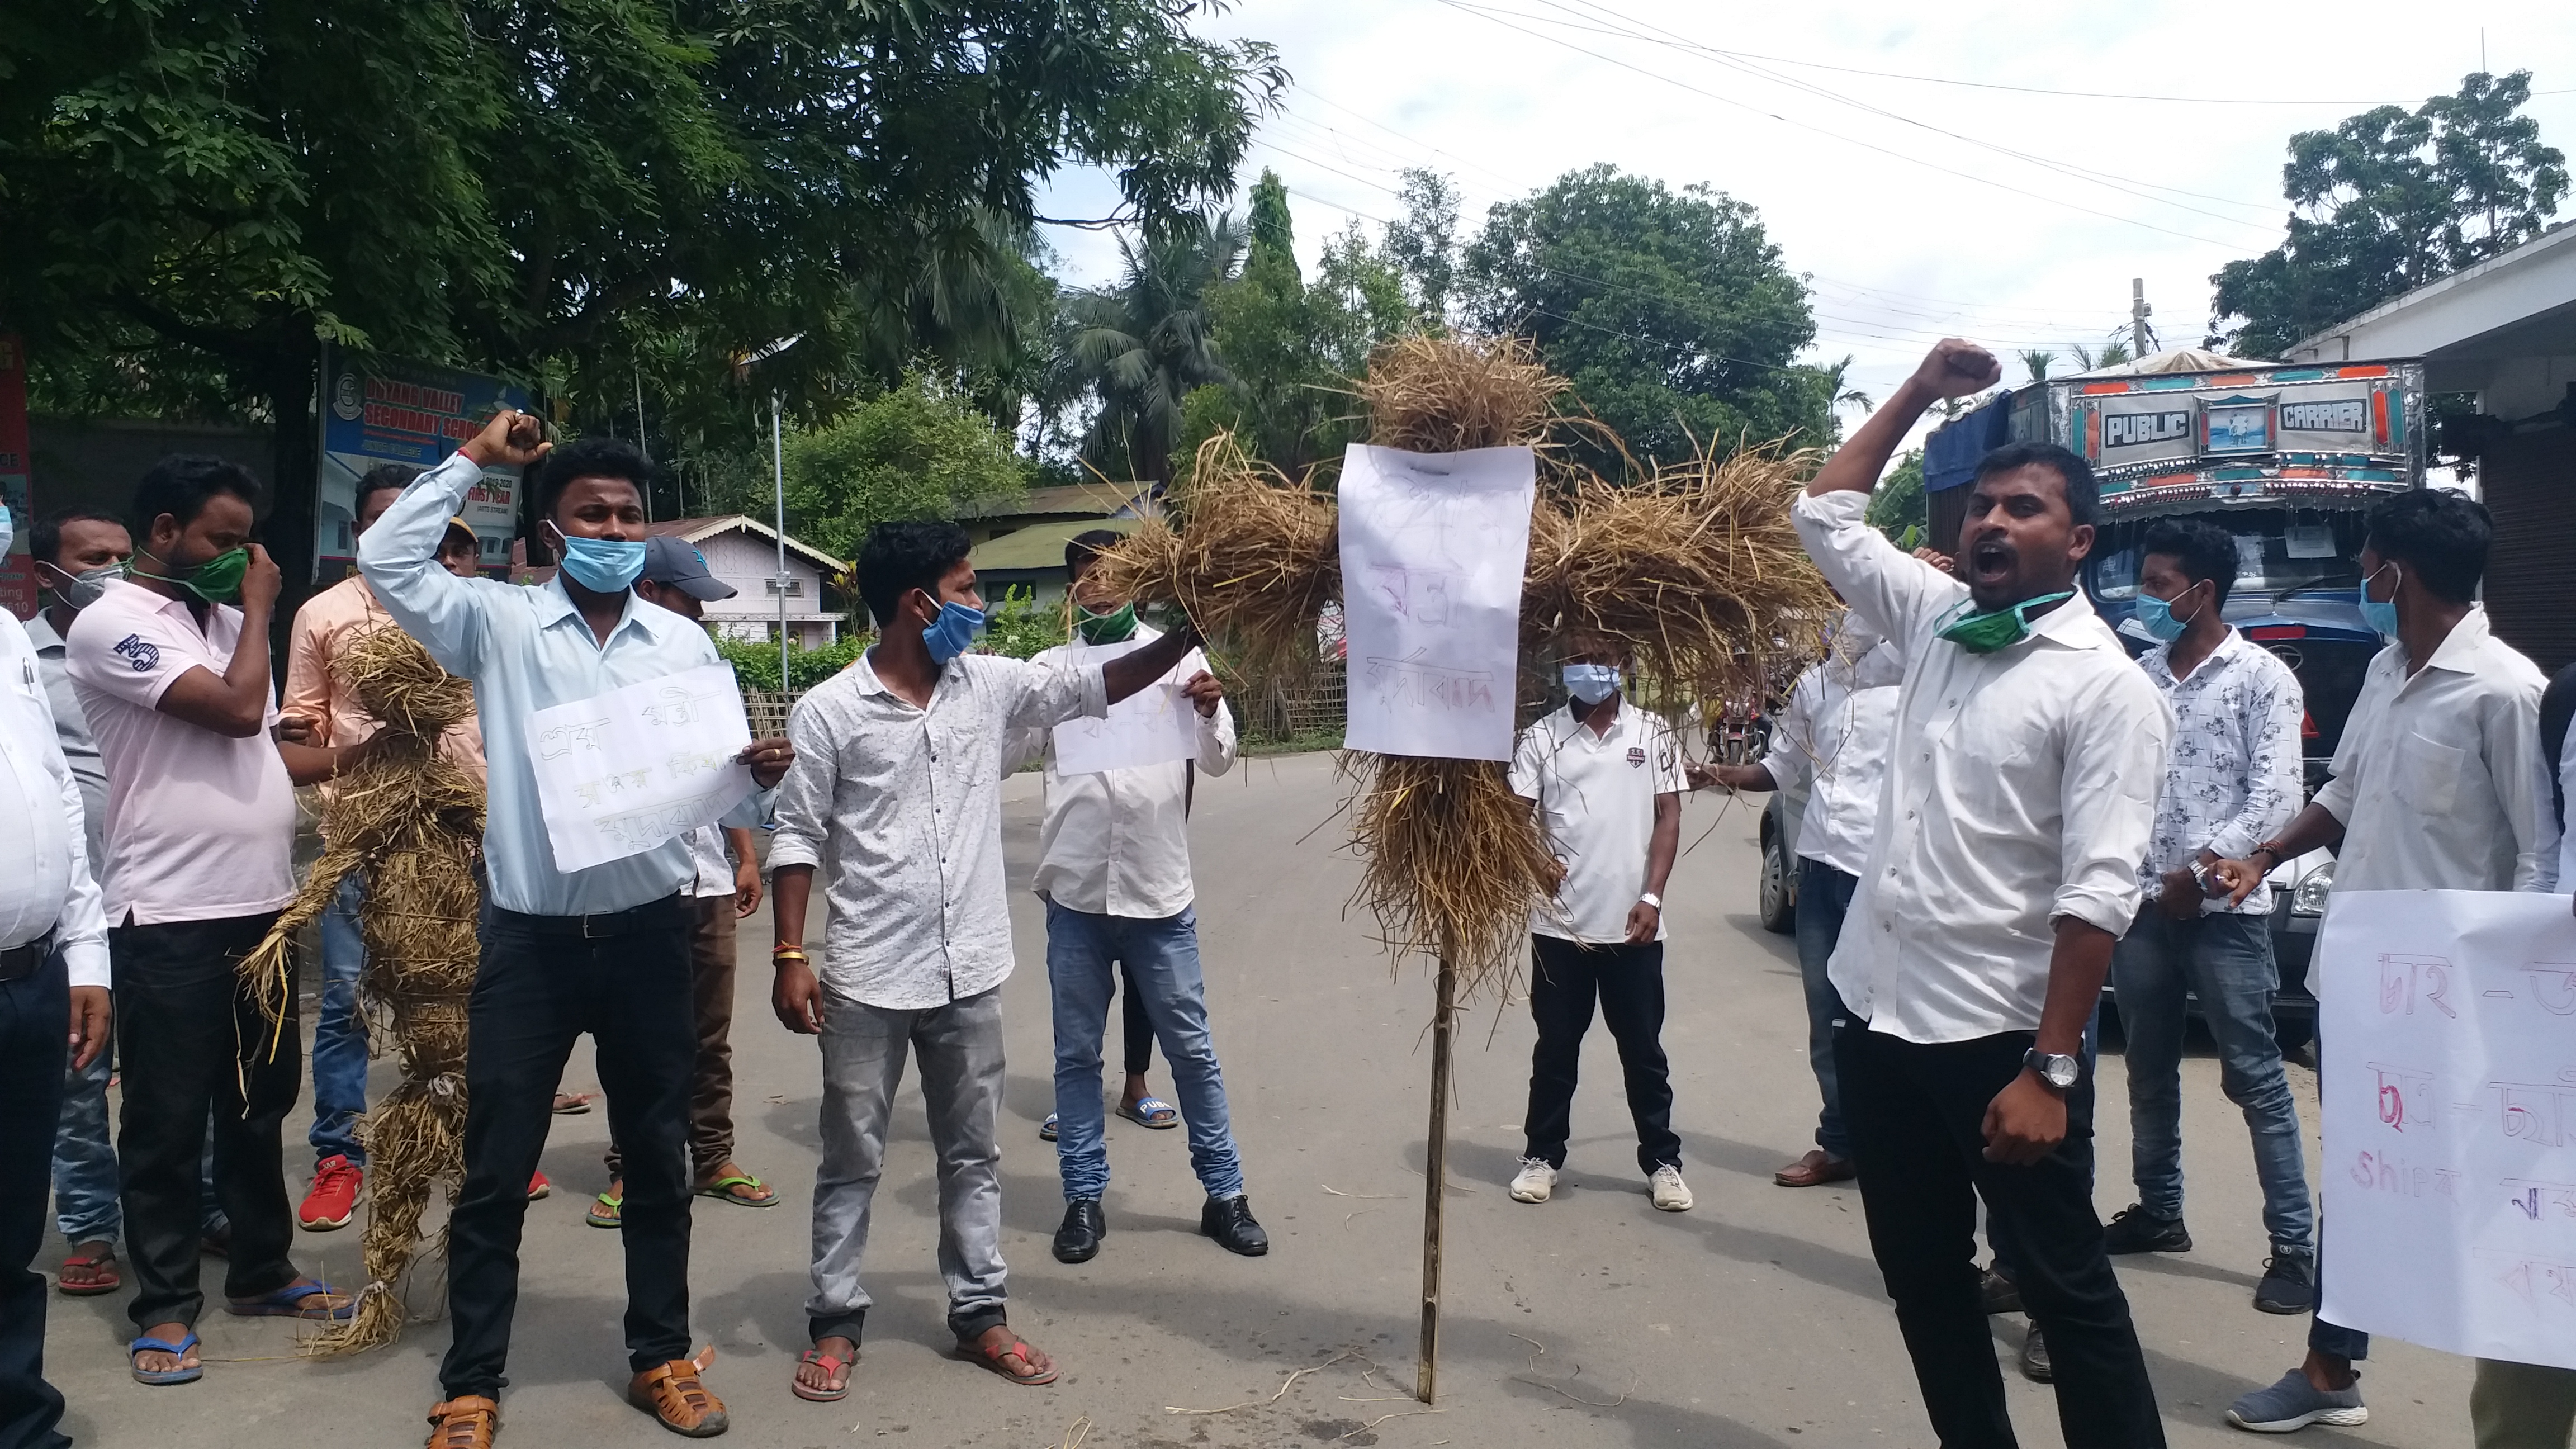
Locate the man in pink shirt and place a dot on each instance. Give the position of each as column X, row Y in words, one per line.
column 174, row 678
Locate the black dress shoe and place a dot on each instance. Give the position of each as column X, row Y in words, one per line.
column 2034, row 1358
column 1078, row 1240
column 1229, row 1221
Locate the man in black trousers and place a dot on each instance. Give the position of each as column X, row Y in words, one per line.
column 2020, row 795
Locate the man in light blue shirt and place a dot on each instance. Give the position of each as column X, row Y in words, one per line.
column 603, row 950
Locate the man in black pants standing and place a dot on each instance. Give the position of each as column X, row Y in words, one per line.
column 1607, row 782
column 2020, row 796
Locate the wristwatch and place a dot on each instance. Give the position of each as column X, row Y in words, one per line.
column 2057, row 1070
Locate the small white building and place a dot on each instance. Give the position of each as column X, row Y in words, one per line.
column 743, row 551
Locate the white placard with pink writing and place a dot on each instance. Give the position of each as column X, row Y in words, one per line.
column 2447, row 1035
column 621, row 772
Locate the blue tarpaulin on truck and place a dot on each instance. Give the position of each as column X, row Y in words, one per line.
column 1950, row 455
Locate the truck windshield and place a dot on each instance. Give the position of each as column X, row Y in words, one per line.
column 2277, row 552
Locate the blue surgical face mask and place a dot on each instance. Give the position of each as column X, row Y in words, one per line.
column 8, row 528
column 2381, row 616
column 2156, row 616
column 1591, row 683
column 602, row 565
column 953, row 632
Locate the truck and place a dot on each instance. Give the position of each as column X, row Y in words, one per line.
column 2289, row 459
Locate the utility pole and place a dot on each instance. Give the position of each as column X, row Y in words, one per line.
column 2139, row 312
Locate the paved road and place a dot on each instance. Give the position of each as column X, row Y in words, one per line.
column 1756, row 1320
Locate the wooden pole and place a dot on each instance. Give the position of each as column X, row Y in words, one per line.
column 1435, row 1180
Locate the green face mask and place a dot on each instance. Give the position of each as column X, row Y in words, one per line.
column 1986, row 633
column 1115, row 627
column 217, row 581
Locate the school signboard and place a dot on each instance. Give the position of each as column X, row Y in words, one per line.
column 393, row 410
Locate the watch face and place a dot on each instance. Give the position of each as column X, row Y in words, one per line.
column 2060, row 1071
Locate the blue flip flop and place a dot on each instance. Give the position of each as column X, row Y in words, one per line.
column 158, row 1377
column 282, row 1304
column 1151, row 1112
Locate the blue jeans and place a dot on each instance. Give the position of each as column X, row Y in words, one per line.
column 2225, row 960
column 1824, row 895
column 1162, row 961
column 340, row 1032
column 86, row 1206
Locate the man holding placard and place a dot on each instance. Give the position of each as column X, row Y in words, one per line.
column 2440, row 783
column 897, row 790
column 1114, row 870
column 599, row 947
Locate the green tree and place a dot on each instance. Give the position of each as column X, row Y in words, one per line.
column 1900, row 502
column 2037, row 359
column 916, row 451
column 1669, row 311
column 2387, row 201
column 1144, row 344
column 1423, row 247
column 551, row 189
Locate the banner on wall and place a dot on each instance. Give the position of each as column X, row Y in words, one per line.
column 17, row 576
column 392, row 410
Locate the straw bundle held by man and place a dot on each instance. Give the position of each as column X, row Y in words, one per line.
column 409, row 822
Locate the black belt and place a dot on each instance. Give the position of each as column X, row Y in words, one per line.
column 20, row 962
column 662, row 915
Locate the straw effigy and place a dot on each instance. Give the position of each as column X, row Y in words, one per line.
column 409, row 823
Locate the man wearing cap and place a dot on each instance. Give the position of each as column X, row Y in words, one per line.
column 319, row 704
column 675, row 577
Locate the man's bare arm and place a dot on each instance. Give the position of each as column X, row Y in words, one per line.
column 1952, row 369
column 1138, row 668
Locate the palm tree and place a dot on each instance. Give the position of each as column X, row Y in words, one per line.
column 1840, row 396
column 2037, row 360
column 1144, row 344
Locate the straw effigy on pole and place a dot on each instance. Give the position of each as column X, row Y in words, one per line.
column 1693, row 568
column 408, row 822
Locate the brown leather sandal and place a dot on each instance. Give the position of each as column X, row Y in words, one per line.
column 673, row 1395
column 468, row 1421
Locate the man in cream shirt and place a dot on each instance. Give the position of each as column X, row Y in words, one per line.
column 2020, row 794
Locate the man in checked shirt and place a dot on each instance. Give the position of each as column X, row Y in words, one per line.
column 2232, row 779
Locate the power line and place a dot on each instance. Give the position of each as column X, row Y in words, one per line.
column 1482, row 12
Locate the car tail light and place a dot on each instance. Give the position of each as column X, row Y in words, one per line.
column 2308, row 726
column 2278, row 631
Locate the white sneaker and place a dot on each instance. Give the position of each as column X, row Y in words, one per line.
column 1670, row 1193
column 1535, row 1181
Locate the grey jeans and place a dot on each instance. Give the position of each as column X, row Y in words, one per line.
column 961, row 1085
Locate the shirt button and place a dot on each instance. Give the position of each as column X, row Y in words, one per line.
column 1949, row 704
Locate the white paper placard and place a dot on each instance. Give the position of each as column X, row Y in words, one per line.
column 1154, row 726
column 2447, row 1033
column 621, row 772
column 1433, row 547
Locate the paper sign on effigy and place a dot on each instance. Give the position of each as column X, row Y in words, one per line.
column 1433, row 546
column 2447, row 1034
column 1156, row 725
column 621, row 772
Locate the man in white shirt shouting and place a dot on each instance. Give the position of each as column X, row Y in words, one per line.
column 2233, row 779
column 2020, row 790
column 1114, row 870
column 1833, row 737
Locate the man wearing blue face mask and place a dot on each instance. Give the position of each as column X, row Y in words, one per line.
column 602, row 950
column 2231, row 779
column 2440, row 783
column 1607, row 783
column 896, row 794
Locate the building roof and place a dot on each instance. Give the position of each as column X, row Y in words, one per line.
column 1095, row 499
column 1038, row 547
column 699, row 530
column 2522, row 303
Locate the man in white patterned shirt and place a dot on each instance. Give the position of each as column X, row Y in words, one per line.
column 2231, row 780
column 900, row 801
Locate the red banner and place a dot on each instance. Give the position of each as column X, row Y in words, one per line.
column 17, row 579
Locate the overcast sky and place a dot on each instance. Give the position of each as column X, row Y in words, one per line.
column 1917, row 204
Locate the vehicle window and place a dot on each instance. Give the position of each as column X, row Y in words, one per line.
column 2265, row 562
column 2115, row 575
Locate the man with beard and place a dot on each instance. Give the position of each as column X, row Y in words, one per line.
column 2021, row 791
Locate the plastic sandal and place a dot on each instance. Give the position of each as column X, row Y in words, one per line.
column 606, row 1211
column 1151, row 1112
column 160, row 1377
column 283, row 1304
column 991, row 1358
column 678, row 1399
column 722, row 1190
column 831, row 1367
column 101, row 1268
column 1046, row 1129
column 467, row 1421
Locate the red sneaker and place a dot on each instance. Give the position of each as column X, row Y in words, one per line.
column 334, row 1196
column 538, row 1187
